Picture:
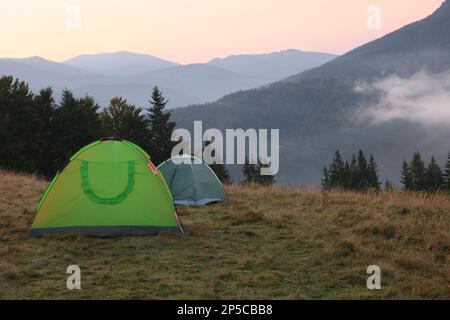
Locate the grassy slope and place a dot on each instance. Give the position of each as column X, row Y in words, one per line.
column 263, row 243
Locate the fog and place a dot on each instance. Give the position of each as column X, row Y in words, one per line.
column 423, row 98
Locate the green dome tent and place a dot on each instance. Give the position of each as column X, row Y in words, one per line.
column 191, row 181
column 108, row 188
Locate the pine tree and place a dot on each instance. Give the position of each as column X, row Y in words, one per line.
column 347, row 176
column 221, row 172
column 418, row 173
column 354, row 174
column 373, row 181
column 161, row 128
column 362, row 175
column 76, row 124
column 250, row 172
column 433, row 177
column 406, row 178
column 19, row 126
column 45, row 109
column 122, row 120
column 265, row 180
column 336, row 172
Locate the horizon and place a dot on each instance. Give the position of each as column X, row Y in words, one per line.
column 149, row 54
column 60, row 31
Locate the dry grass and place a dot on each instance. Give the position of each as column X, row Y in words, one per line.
column 263, row 243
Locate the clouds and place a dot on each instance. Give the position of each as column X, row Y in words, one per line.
column 423, row 98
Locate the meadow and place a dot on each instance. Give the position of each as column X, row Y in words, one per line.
column 263, row 243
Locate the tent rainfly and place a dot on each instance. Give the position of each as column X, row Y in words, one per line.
column 191, row 181
column 108, row 188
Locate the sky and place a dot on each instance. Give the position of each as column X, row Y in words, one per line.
column 195, row 31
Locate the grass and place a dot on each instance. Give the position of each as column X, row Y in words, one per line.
column 264, row 243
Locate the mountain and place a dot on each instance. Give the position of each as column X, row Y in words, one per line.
column 424, row 44
column 273, row 66
column 389, row 97
column 48, row 66
column 40, row 73
column 133, row 75
column 119, row 63
column 199, row 81
column 183, row 85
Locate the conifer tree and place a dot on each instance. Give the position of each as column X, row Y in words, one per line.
column 45, row 110
column 433, row 176
column 20, row 126
column 250, row 172
column 76, row 124
column 406, row 178
column 373, row 181
column 418, row 173
column 161, row 128
column 347, row 184
column 354, row 173
column 122, row 120
column 221, row 172
column 336, row 172
column 362, row 173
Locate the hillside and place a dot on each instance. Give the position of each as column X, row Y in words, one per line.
column 422, row 45
column 332, row 107
column 264, row 243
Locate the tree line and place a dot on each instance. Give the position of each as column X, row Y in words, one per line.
column 39, row 135
column 358, row 174
column 361, row 175
column 417, row 176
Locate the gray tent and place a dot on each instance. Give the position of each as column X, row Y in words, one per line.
column 191, row 181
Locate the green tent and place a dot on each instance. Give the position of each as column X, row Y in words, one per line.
column 108, row 188
column 191, row 181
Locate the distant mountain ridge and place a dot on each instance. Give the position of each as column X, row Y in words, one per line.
column 273, row 66
column 132, row 76
column 48, row 65
column 119, row 63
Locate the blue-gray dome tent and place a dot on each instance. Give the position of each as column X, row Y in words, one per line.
column 191, row 181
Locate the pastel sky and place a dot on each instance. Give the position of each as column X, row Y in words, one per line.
column 188, row 31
